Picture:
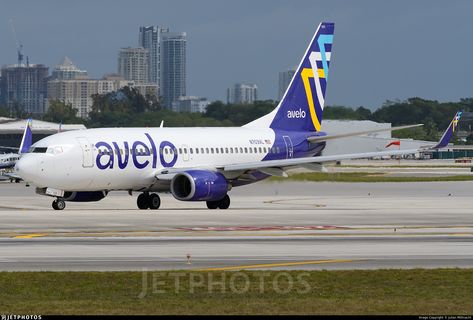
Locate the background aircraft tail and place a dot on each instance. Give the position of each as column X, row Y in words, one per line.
column 447, row 135
column 303, row 102
column 27, row 139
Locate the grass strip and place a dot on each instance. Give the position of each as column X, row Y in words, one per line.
column 416, row 291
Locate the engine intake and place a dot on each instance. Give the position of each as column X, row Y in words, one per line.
column 199, row 185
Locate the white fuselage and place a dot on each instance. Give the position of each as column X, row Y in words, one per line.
column 8, row 160
column 130, row 158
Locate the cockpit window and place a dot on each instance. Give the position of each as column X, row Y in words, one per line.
column 55, row 150
column 38, row 150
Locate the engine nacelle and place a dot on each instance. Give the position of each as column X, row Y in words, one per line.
column 84, row 196
column 199, row 185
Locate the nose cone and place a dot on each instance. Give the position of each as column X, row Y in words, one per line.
column 27, row 168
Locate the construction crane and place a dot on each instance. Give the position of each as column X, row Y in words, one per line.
column 19, row 46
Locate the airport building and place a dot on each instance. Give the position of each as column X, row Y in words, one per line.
column 11, row 130
column 243, row 93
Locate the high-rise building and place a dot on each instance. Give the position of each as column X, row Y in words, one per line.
column 285, row 78
column 151, row 38
column 24, row 86
column 173, row 65
column 190, row 104
column 133, row 64
column 242, row 93
column 66, row 70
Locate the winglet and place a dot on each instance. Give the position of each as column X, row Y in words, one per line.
column 27, row 139
column 447, row 135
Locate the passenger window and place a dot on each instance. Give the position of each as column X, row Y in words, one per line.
column 251, row 150
column 256, row 150
column 226, row 150
column 231, row 150
column 216, row 150
column 212, row 150
column 260, row 150
column 221, row 150
column 246, row 150
column 196, row 150
column 241, row 150
column 207, row 150
column 165, row 150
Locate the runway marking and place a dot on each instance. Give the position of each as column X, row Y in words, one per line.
column 274, row 265
column 29, row 236
column 263, row 228
column 280, row 201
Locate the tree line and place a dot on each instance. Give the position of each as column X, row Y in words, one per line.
column 128, row 108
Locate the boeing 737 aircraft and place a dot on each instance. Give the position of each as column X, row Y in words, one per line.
column 196, row 164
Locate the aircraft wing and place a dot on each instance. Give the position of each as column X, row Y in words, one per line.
column 359, row 133
column 276, row 167
column 283, row 163
column 320, row 159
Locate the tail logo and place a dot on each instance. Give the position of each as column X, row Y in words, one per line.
column 455, row 120
column 316, row 78
column 297, row 114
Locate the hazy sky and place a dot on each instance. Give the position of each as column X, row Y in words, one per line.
column 382, row 49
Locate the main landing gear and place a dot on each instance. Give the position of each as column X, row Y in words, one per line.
column 59, row 204
column 148, row 201
column 223, row 203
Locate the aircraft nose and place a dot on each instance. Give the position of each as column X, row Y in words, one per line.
column 27, row 168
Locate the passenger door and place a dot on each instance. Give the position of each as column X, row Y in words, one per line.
column 87, row 154
column 289, row 147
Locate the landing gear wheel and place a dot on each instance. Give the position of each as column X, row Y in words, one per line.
column 143, row 201
column 224, row 203
column 59, row 204
column 212, row 204
column 154, row 201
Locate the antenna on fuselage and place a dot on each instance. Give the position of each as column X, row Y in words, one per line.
column 162, row 124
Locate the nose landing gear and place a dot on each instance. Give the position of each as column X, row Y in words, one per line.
column 59, row 204
column 148, row 201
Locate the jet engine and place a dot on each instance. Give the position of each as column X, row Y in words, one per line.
column 199, row 185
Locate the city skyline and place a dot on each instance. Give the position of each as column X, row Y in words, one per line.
column 255, row 45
